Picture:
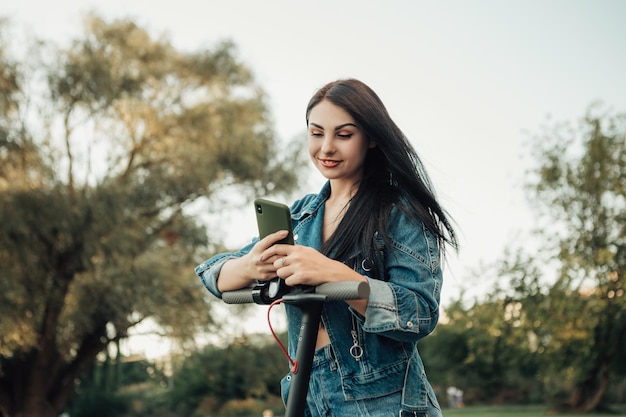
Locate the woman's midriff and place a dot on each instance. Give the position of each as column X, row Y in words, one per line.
column 322, row 337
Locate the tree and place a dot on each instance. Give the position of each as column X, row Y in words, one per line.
column 579, row 185
column 555, row 315
column 484, row 349
column 245, row 369
column 104, row 146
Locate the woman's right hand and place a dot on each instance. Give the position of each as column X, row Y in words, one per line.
column 263, row 269
column 239, row 273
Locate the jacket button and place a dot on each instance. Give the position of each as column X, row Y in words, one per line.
column 409, row 324
column 295, row 237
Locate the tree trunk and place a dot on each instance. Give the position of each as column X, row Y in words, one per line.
column 37, row 406
column 25, row 386
column 588, row 393
column 40, row 384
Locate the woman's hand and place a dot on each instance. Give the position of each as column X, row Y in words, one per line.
column 259, row 265
column 303, row 265
column 241, row 272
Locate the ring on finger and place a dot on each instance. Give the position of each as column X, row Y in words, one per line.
column 282, row 261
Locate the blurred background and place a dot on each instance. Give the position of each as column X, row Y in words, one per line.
column 134, row 136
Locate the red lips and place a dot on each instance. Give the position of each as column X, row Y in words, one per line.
column 329, row 163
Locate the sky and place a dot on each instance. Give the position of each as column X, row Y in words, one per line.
column 467, row 81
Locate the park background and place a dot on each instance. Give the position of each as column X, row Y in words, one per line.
column 468, row 82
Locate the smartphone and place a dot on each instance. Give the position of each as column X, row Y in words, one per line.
column 272, row 217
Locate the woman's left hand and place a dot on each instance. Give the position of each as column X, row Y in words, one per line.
column 302, row 265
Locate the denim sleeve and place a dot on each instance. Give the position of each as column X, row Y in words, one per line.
column 209, row 270
column 406, row 308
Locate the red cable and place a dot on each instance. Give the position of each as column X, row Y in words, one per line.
column 294, row 364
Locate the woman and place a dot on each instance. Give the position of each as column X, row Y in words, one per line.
column 377, row 220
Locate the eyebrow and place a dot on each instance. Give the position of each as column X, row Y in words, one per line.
column 336, row 128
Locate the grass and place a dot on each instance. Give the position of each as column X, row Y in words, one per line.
column 518, row 411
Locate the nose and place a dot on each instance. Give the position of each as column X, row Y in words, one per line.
column 328, row 145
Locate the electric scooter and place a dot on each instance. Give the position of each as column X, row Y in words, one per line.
column 310, row 301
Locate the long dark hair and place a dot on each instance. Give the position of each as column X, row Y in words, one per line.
column 393, row 174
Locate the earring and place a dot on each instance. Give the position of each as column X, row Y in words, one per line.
column 391, row 180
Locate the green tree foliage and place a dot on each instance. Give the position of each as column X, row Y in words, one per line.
column 580, row 184
column 103, row 146
column 552, row 327
column 117, row 387
column 483, row 350
column 214, row 376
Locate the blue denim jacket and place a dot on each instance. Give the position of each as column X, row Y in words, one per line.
column 400, row 311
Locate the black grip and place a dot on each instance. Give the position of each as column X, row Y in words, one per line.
column 243, row 296
column 344, row 290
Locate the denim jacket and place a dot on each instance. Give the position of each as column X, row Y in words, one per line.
column 401, row 310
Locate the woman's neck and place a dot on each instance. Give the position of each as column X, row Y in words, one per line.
column 342, row 192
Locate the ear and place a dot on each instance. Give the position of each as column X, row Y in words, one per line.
column 372, row 144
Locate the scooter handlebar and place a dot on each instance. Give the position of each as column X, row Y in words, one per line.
column 343, row 290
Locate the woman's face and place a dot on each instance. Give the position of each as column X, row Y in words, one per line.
column 337, row 146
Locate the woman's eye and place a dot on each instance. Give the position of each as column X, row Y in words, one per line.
column 316, row 134
column 345, row 135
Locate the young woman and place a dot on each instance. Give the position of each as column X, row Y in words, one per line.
column 376, row 219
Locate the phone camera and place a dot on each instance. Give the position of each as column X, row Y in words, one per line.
column 259, row 209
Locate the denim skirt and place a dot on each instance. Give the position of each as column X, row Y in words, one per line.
column 326, row 399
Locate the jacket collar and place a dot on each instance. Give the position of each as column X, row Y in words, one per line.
column 315, row 204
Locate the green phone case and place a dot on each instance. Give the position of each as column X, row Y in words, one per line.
column 272, row 217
